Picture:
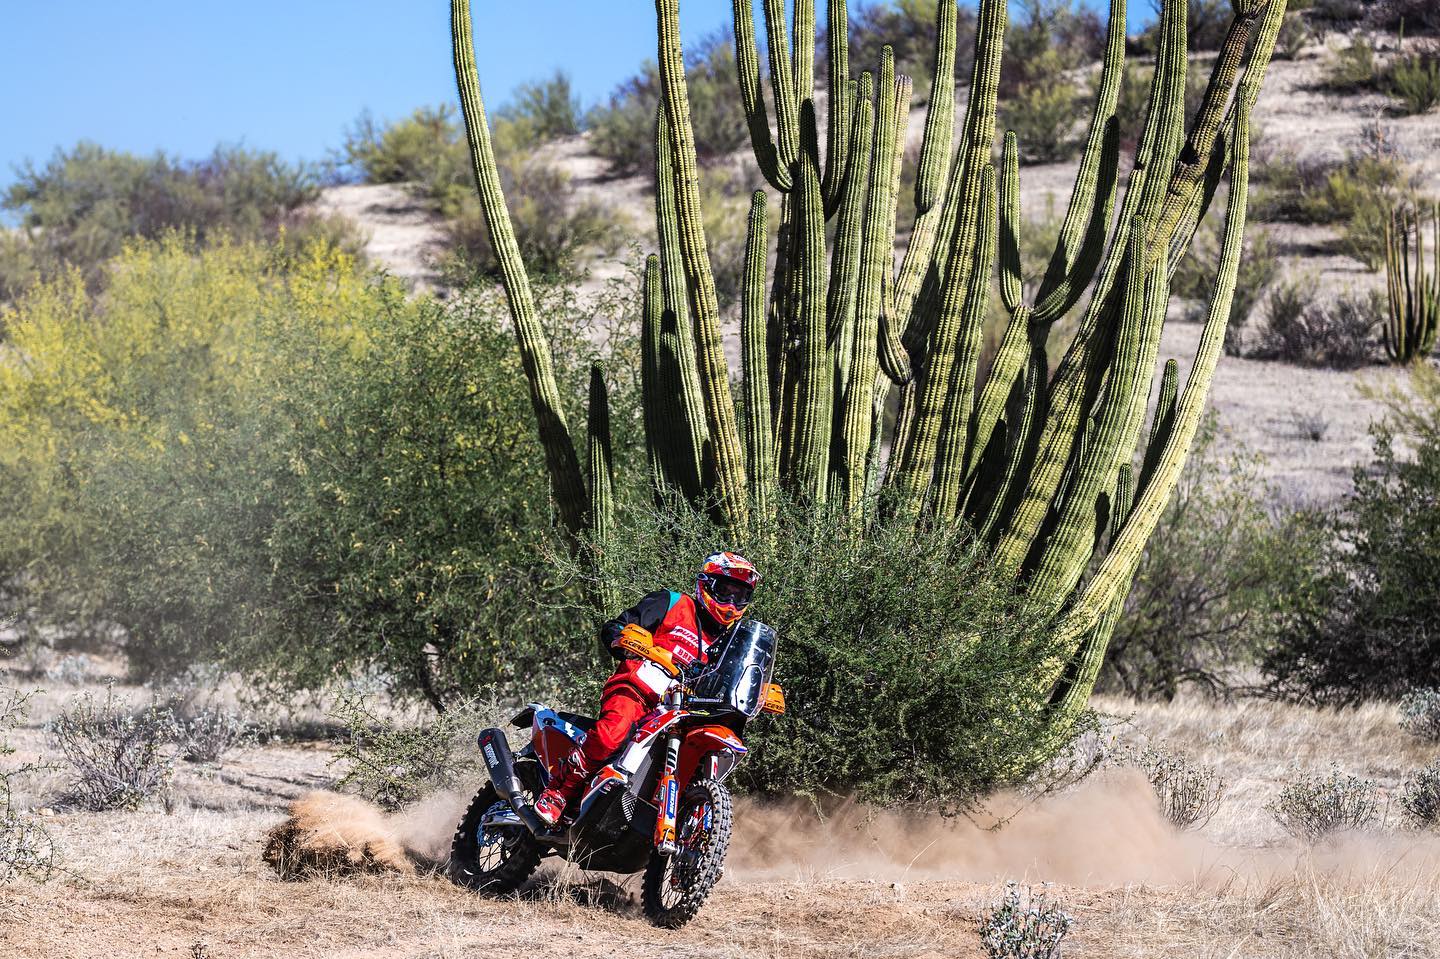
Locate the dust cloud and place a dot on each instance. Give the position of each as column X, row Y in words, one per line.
column 1106, row 832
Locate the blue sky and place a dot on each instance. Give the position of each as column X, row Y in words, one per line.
column 289, row 76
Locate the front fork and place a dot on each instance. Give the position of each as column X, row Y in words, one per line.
column 668, row 793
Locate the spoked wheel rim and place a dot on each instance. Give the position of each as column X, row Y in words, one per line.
column 694, row 837
column 495, row 845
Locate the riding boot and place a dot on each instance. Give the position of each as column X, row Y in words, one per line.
column 564, row 789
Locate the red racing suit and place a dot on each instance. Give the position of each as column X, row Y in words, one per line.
column 637, row 685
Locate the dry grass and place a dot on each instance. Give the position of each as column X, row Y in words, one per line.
column 143, row 883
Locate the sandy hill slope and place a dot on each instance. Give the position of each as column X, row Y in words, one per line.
column 1310, row 424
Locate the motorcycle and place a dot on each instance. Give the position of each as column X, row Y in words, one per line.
column 659, row 804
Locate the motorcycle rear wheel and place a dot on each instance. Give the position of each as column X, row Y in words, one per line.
column 495, row 861
column 675, row 887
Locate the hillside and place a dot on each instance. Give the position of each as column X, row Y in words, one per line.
column 1310, row 424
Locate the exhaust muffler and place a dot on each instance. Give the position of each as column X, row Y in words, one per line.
column 500, row 763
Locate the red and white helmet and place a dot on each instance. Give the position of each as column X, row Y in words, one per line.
column 724, row 586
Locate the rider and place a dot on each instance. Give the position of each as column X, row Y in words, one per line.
column 674, row 631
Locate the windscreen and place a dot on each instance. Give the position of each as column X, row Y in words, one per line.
column 740, row 666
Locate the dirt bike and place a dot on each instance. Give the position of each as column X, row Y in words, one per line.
column 659, row 804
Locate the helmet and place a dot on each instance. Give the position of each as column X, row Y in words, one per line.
column 724, row 586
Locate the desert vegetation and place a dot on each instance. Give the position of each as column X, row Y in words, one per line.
column 272, row 520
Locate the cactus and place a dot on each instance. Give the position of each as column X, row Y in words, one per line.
column 1413, row 286
column 1047, row 467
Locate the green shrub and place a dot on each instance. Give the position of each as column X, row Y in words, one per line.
column 1028, row 927
column 908, row 27
column 905, row 657
column 1420, row 797
column 1363, row 622
column 1415, row 80
column 84, row 205
column 1205, row 597
column 547, row 109
column 1294, row 36
column 1420, row 714
column 1352, row 69
column 286, row 467
column 118, row 756
column 1336, row 333
column 552, row 227
column 622, row 130
column 1207, row 22
column 1189, row 792
column 1409, row 17
column 1043, row 116
column 26, row 847
column 1314, row 806
column 393, row 763
column 1194, row 279
column 1357, row 193
column 425, row 149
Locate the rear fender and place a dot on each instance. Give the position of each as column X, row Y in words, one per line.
column 551, row 738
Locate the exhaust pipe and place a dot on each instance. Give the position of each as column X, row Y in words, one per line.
column 500, row 763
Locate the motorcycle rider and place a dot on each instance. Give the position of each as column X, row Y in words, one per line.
column 674, row 631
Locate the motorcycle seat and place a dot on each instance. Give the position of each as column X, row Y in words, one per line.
column 575, row 719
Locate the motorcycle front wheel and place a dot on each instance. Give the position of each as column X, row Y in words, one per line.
column 675, row 887
column 491, row 859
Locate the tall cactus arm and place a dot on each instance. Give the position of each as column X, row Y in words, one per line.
column 842, row 93
column 602, row 466
column 810, row 460
column 752, row 100
column 691, row 431
column 1009, row 193
column 849, row 235
column 782, row 84
column 760, row 437
column 1082, row 233
column 561, row 460
column 700, row 281
column 802, row 37
column 894, row 361
column 940, row 117
column 651, row 395
column 954, row 446
column 1116, row 570
column 1162, row 425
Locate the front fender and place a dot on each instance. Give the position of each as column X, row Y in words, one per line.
column 702, row 741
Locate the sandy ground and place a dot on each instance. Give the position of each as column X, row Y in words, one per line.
column 859, row 884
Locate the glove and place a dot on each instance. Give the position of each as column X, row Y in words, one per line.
column 638, row 641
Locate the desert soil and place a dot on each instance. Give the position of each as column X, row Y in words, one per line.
column 191, row 883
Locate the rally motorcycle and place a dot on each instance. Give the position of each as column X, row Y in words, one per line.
column 659, row 804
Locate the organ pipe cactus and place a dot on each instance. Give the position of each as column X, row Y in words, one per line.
column 1048, row 460
column 1413, row 286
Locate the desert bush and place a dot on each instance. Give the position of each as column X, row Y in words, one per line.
column 1314, row 806
column 1415, row 80
column 289, row 468
column 26, row 847
column 1409, row 17
column 1028, row 926
column 622, row 130
column 910, row 627
column 1134, row 104
column 1294, row 36
column 1194, row 280
column 551, row 226
column 209, row 734
column 1420, row 797
column 1189, row 792
column 1312, row 427
column 1420, row 714
column 1338, row 333
column 1352, row 68
column 81, row 207
column 1365, row 628
column 547, row 109
column 1209, row 588
column 1043, row 116
column 118, row 755
column 1206, row 24
column 393, row 763
column 425, row 149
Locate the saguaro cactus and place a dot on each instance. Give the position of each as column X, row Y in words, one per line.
column 1047, row 468
column 1413, row 286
